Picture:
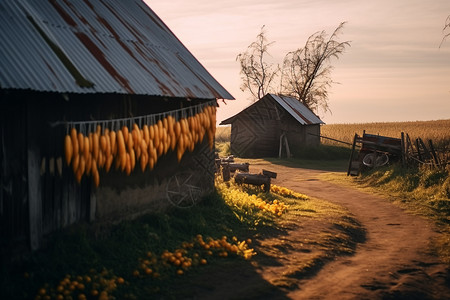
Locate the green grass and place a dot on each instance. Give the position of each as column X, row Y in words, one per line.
column 223, row 149
column 107, row 253
column 322, row 152
column 118, row 249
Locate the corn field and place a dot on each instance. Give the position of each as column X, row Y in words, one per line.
column 223, row 134
column 437, row 131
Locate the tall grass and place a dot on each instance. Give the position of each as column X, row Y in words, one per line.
column 223, row 134
column 438, row 131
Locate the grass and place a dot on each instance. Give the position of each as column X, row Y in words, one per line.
column 115, row 260
column 77, row 250
column 223, row 134
column 423, row 191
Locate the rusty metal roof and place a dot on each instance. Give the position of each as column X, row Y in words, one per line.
column 294, row 107
column 298, row 110
column 96, row 46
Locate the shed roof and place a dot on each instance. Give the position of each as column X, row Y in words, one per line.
column 294, row 107
column 95, row 46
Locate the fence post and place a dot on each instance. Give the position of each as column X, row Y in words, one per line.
column 433, row 153
column 403, row 150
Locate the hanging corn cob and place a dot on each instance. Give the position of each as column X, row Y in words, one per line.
column 126, row 147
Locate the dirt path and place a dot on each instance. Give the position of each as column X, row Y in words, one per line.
column 393, row 262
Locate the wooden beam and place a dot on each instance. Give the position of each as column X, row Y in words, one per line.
column 34, row 178
column 324, row 137
column 403, row 148
column 433, row 153
column 351, row 155
column 253, row 179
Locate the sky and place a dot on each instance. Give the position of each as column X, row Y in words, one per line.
column 395, row 69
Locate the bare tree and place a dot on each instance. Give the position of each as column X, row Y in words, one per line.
column 306, row 72
column 256, row 74
column 446, row 30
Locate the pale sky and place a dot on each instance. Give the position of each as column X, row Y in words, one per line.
column 393, row 71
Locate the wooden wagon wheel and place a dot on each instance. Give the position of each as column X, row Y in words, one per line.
column 375, row 159
column 184, row 190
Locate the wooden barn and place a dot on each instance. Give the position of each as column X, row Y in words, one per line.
column 273, row 126
column 105, row 115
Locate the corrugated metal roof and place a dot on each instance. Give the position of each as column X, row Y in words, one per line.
column 294, row 107
column 298, row 110
column 119, row 46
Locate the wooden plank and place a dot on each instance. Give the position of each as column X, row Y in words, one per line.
column 419, row 154
column 370, row 143
column 269, row 174
column 351, row 155
column 280, row 147
column 254, row 179
column 433, row 153
column 34, row 197
column 403, row 148
column 409, row 150
column 288, row 151
column 355, row 168
column 425, row 149
column 33, row 174
column 226, row 174
column 65, row 198
column 244, row 167
column 93, row 206
column 328, row 138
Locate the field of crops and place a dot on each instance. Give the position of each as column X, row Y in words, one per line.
column 438, row 131
column 223, row 134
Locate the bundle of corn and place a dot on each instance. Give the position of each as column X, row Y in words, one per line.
column 87, row 154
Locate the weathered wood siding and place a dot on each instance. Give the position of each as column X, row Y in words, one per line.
column 298, row 135
column 14, row 222
column 256, row 131
column 254, row 140
column 39, row 194
column 125, row 197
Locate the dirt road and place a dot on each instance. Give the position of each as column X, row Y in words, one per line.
column 393, row 263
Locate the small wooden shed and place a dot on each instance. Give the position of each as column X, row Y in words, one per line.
column 272, row 126
column 97, row 67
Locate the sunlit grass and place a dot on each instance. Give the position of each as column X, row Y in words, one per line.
column 422, row 191
column 223, row 134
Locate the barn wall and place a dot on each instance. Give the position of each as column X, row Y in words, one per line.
column 170, row 184
column 299, row 136
column 14, row 222
column 256, row 131
column 312, row 139
column 39, row 194
column 250, row 139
